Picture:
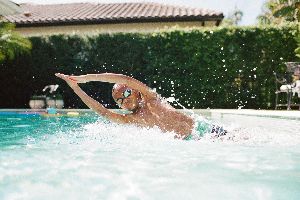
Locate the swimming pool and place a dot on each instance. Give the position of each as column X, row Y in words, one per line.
column 86, row 157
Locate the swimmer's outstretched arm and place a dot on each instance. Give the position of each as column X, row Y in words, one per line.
column 92, row 103
column 117, row 78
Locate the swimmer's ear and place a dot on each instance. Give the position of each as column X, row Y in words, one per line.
column 140, row 95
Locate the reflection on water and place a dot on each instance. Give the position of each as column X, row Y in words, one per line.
column 88, row 158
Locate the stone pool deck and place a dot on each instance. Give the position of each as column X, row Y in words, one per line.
column 293, row 114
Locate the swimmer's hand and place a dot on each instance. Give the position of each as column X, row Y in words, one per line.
column 71, row 82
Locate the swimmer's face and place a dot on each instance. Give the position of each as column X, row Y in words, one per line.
column 125, row 97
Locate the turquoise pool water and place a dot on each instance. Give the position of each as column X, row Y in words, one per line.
column 86, row 157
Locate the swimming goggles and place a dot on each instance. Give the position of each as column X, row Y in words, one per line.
column 125, row 94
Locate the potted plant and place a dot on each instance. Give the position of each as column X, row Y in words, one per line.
column 37, row 101
column 55, row 101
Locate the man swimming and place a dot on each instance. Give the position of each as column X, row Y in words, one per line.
column 146, row 107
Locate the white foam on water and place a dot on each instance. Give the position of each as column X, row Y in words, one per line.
column 104, row 160
column 237, row 134
column 251, row 130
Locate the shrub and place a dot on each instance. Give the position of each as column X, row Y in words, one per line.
column 215, row 68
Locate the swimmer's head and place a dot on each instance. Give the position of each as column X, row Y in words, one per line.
column 125, row 97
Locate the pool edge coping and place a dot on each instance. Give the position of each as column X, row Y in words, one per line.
column 249, row 112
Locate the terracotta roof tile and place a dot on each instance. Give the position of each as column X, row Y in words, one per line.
column 91, row 13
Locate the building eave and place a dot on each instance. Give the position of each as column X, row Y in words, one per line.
column 118, row 21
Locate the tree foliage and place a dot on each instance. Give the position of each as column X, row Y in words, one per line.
column 280, row 11
column 297, row 50
column 233, row 18
column 11, row 43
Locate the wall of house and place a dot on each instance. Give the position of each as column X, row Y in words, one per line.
column 110, row 28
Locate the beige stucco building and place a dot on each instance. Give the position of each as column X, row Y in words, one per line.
column 109, row 28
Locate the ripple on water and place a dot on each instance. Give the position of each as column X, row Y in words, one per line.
column 13, row 119
column 21, row 125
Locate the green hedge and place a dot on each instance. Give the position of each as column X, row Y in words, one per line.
column 215, row 68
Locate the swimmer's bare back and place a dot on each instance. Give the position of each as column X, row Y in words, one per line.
column 146, row 106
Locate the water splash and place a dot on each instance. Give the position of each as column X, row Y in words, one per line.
column 103, row 160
